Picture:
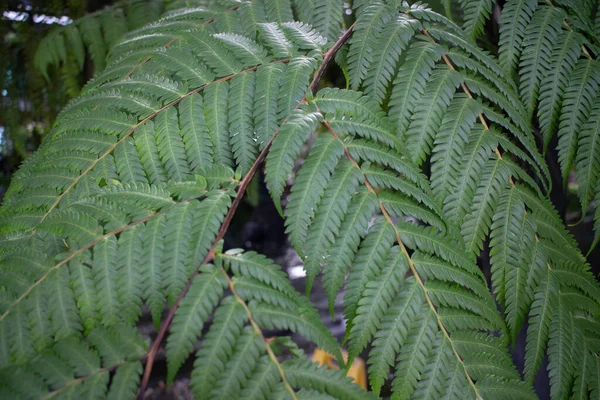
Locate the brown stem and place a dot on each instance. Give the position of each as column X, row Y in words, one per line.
column 329, row 55
column 209, row 257
column 225, row 225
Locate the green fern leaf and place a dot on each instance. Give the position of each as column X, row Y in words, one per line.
column 370, row 259
column 286, row 147
column 177, row 236
column 577, row 104
column 409, row 85
column 243, row 139
column 413, row 355
column 218, row 58
column 476, row 14
column 393, row 332
column 434, row 377
column 539, row 37
column 303, row 373
column 268, row 78
column 246, row 50
column 272, row 35
column 259, row 267
column 542, row 311
column 55, row 370
column 328, row 218
column 293, row 85
column 552, row 87
column 315, row 173
column 477, row 223
column 194, row 132
column 302, row 321
column 152, row 278
column 239, row 367
column 104, row 273
column 588, row 157
column 369, row 24
column 127, row 160
column 39, row 320
column 515, row 16
column 146, row 145
column 374, row 301
column 430, row 110
column 560, row 357
column 392, row 41
column 366, row 151
column 261, row 383
column 511, row 241
column 124, row 384
column 360, row 211
column 217, row 347
column 449, row 143
column 434, row 268
column 196, row 306
column 129, row 275
column 84, row 289
column 170, row 145
column 399, row 206
column 215, row 112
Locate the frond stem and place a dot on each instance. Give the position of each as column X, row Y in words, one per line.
column 329, row 55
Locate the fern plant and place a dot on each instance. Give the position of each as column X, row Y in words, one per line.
column 425, row 159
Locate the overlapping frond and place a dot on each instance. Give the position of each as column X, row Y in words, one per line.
column 376, row 305
column 429, row 157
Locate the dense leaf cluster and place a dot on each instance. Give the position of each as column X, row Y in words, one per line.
column 424, row 160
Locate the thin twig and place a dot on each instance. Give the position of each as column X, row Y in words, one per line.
column 329, row 56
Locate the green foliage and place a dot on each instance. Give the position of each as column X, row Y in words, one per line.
column 428, row 159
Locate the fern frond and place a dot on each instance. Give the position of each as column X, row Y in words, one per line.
column 286, row 147
column 410, row 81
column 478, row 220
column 362, row 206
column 375, row 299
column 577, row 103
column 187, row 325
column 552, row 87
column 323, row 380
column 370, row 259
column 516, row 15
column 392, row 41
column 362, row 45
column 542, row 311
column 218, row 346
column 476, row 14
column 449, row 143
column 588, row 157
column 314, row 174
column 512, row 238
column 328, row 218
